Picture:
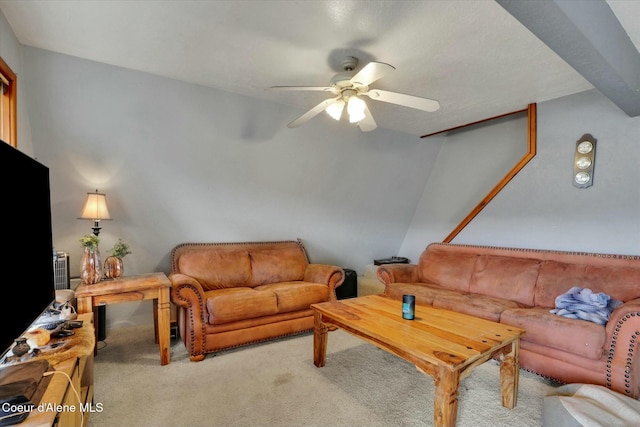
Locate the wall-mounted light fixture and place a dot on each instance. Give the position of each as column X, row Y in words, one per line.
column 95, row 208
column 584, row 161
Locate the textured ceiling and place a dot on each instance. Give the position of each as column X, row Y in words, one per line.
column 474, row 57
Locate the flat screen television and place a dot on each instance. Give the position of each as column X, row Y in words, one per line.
column 26, row 245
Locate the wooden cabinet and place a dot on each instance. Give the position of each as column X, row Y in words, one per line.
column 68, row 399
column 76, row 409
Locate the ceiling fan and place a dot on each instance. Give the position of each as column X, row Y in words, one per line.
column 348, row 88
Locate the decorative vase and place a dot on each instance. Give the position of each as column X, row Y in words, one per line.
column 21, row 347
column 90, row 266
column 113, row 267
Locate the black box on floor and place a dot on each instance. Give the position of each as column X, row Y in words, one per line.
column 102, row 322
column 349, row 288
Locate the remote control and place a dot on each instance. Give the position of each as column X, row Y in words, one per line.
column 74, row 324
column 52, row 325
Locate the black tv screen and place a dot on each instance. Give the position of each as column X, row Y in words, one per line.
column 26, row 244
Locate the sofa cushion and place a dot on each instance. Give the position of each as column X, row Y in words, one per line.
column 505, row 277
column 215, row 269
column 294, row 296
column 233, row 304
column 277, row 265
column 556, row 278
column 482, row 306
column 449, row 269
column 554, row 361
column 424, row 292
column 575, row 336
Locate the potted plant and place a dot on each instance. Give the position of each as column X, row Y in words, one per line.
column 90, row 265
column 113, row 265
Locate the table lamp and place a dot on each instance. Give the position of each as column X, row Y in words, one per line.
column 95, row 208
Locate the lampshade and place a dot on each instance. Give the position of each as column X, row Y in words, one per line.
column 355, row 108
column 95, row 208
column 335, row 109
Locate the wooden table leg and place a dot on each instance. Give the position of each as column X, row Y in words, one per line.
column 164, row 315
column 320, row 331
column 445, row 405
column 510, row 375
column 85, row 305
column 155, row 320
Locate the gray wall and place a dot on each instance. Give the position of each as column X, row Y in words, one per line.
column 180, row 162
column 543, row 209
column 540, row 208
column 470, row 163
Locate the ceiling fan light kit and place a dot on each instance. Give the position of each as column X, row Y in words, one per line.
column 335, row 109
column 355, row 108
column 348, row 89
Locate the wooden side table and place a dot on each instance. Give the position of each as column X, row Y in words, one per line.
column 152, row 286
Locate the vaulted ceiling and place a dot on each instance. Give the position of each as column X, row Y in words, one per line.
column 479, row 58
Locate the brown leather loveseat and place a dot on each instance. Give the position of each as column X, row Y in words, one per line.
column 519, row 287
column 232, row 294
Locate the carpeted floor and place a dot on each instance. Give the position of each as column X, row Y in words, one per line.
column 276, row 384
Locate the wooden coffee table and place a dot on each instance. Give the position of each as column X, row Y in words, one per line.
column 443, row 344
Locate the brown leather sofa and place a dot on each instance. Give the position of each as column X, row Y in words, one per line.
column 519, row 287
column 232, row 294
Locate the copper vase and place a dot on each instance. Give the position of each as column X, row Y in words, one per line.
column 113, row 267
column 90, row 266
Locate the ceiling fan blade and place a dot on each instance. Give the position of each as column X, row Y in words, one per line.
column 367, row 124
column 371, row 72
column 312, row 113
column 313, row 88
column 410, row 101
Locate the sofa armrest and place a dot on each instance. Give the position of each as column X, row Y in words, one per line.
column 187, row 293
column 398, row 273
column 623, row 349
column 330, row 275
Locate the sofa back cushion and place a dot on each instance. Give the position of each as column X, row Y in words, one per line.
column 275, row 265
column 232, row 264
column 557, row 272
column 505, row 277
column 449, row 269
column 216, row 269
column 618, row 281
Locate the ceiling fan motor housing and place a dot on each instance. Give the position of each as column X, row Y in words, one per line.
column 350, row 63
column 342, row 81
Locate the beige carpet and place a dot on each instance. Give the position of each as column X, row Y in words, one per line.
column 276, row 384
